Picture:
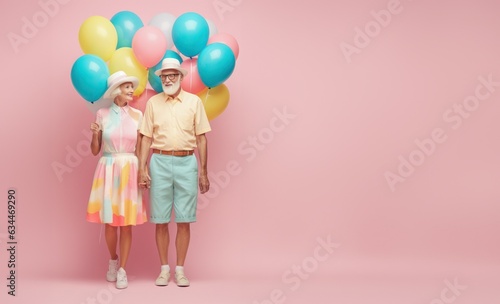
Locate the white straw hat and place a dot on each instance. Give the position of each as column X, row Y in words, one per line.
column 116, row 79
column 171, row 63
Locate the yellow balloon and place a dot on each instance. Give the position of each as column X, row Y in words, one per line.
column 215, row 100
column 98, row 36
column 123, row 59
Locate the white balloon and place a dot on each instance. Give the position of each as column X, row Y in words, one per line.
column 212, row 28
column 165, row 22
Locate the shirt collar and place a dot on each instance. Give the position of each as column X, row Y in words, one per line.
column 179, row 97
column 117, row 109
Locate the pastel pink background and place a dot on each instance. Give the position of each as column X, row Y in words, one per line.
column 321, row 175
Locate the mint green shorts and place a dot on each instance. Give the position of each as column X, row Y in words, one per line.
column 174, row 182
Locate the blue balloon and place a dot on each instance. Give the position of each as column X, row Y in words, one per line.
column 154, row 80
column 190, row 33
column 215, row 64
column 126, row 24
column 89, row 76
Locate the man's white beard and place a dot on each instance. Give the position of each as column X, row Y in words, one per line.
column 171, row 90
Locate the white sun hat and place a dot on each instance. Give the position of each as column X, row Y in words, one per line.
column 171, row 63
column 116, row 79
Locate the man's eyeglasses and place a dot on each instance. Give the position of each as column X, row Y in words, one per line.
column 169, row 76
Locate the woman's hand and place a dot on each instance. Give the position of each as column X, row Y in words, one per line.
column 95, row 143
column 95, row 128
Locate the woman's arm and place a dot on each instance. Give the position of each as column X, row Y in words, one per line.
column 95, row 144
column 144, row 178
column 138, row 145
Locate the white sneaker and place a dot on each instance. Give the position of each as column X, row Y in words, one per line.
column 181, row 279
column 121, row 279
column 163, row 278
column 112, row 269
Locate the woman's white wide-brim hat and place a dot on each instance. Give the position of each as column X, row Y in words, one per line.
column 171, row 64
column 116, row 79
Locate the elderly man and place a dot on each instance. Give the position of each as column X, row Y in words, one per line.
column 174, row 125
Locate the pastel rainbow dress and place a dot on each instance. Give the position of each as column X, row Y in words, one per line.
column 115, row 197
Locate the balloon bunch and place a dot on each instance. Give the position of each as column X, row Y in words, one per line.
column 124, row 43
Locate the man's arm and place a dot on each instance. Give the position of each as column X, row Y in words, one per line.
column 201, row 142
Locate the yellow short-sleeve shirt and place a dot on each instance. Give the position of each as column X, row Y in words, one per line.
column 174, row 123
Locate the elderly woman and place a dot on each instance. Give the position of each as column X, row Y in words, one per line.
column 116, row 199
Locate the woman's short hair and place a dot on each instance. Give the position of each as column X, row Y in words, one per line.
column 116, row 92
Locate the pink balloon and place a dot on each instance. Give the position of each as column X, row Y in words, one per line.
column 192, row 82
column 140, row 101
column 149, row 45
column 228, row 40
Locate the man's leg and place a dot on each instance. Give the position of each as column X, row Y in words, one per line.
column 161, row 200
column 185, row 196
column 182, row 242
column 162, row 241
column 185, row 199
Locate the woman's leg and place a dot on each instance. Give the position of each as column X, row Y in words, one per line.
column 111, row 240
column 125, row 243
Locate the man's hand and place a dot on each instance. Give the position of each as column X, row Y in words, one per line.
column 204, row 183
column 144, row 178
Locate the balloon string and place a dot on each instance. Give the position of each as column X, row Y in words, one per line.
column 146, row 87
column 191, row 76
column 206, row 96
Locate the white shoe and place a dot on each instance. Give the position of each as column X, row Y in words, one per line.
column 163, row 279
column 112, row 269
column 181, row 279
column 121, row 279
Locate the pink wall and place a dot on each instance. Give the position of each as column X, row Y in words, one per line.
column 318, row 172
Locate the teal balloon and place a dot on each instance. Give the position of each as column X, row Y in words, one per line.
column 153, row 79
column 215, row 64
column 89, row 76
column 190, row 33
column 126, row 24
